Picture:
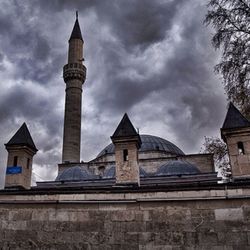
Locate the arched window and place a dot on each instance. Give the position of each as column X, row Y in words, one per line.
column 15, row 161
column 125, row 155
column 241, row 150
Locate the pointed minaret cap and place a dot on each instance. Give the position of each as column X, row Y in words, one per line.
column 234, row 119
column 126, row 129
column 22, row 138
column 76, row 32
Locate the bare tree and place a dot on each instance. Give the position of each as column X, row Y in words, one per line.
column 218, row 148
column 231, row 22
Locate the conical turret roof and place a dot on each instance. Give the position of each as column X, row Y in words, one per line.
column 22, row 137
column 234, row 119
column 125, row 128
column 76, row 32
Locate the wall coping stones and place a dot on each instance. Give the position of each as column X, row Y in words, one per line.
column 124, row 197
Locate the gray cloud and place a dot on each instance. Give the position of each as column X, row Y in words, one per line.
column 152, row 59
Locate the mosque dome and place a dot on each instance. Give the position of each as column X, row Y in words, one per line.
column 177, row 167
column 76, row 173
column 110, row 172
column 149, row 143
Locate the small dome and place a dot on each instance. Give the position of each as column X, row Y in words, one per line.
column 149, row 143
column 76, row 173
column 177, row 167
column 110, row 173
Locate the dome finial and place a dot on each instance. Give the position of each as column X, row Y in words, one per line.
column 76, row 14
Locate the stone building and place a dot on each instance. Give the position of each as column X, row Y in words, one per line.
column 140, row 192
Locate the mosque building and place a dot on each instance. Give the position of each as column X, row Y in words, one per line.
column 138, row 180
column 130, row 158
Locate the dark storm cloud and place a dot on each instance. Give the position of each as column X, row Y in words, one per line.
column 21, row 102
column 25, row 45
column 140, row 23
column 186, row 81
column 133, row 22
column 186, row 69
column 152, row 59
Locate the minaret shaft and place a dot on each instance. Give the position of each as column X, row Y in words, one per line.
column 74, row 74
column 72, row 123
column 75, row 51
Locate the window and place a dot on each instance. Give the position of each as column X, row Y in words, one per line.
column 101, row 170
column 125, row 155
column 241, row 150
column 15, row 161
column 28, row 163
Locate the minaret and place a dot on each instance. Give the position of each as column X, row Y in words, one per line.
column 74, row 74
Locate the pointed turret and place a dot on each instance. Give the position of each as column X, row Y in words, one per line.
column 21, row 149
column 76, row 32
column 22, row 138
column 127, row 142
column 125, row 128
column 236, row 134
column 234, row 119
column 75, row 52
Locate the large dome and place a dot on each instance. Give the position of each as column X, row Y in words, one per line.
column 149, row 143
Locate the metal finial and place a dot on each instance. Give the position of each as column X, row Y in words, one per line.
column 76, row 14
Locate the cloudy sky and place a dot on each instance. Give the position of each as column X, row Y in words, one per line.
column 151, row 59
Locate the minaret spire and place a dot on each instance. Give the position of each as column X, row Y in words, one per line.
column 74, row 74
column 76, row 32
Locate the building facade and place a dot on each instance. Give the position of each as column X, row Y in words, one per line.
column 140, row 192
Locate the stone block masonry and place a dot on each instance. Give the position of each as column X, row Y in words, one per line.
column 45, row 222
column 74, row 74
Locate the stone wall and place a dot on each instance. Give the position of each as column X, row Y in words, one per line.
column 127, row 168
column 204, row 162
column 129, row 224
column 23, row 178
column 239, row 161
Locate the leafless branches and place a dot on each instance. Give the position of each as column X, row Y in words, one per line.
column 231, row 21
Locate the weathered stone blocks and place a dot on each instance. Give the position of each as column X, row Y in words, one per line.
column 203, row 224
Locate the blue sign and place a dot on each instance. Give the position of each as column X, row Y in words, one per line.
column 14, row 170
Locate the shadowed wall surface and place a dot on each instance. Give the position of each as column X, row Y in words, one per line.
column 44, row 222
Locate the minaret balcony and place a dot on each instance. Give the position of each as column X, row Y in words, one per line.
column 73, row 71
